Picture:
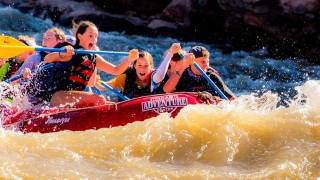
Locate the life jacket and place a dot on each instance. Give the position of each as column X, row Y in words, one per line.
column 190, row 82
column 62, row 76
column 158, row 88
column 213, row 70
column 82, row 70
column 131, row 89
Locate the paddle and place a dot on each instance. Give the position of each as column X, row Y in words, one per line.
column 89, row 89
column 123, row 97
column 215, row 87
column 10, row 47
column 98, row 91
column 33, row 71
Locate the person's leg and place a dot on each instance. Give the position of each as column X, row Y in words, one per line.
column 76, row 99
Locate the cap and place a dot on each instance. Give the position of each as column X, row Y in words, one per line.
column 199, row 51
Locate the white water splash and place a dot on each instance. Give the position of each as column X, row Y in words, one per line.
column 12, row 99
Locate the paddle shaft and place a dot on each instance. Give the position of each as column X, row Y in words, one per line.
column 79, row 51
column 215, row 87
column 114, row 91
column 33, row 71
column 89, row 89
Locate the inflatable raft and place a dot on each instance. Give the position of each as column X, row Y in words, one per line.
column 96, row 117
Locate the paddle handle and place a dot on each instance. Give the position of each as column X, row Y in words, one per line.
column 79, row 51
column 123, row 97
column 33, row 71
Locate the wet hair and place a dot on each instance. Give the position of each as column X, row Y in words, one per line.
column 176, row 57
column 80, row 28
column 147, row 56
column 60, row 35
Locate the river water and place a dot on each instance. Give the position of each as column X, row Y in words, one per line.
column 275, row 139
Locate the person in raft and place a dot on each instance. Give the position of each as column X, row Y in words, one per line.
column 64, row 83
column 189, row 79
column 136, row 80
column 142, row 79
column 172, row 62
column 11, row 66
column 51, row 39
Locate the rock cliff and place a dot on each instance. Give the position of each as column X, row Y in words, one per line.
column 287, row 28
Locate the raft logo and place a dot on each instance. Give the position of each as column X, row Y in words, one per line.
column 167, row 103
column 51, row 120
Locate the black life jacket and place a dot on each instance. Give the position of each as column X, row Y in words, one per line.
column 189, row 82
column 131, row 89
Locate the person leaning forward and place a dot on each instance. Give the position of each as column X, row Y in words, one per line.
column 189, row 79
column 66, row 81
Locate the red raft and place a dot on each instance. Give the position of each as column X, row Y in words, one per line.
column 96, row 117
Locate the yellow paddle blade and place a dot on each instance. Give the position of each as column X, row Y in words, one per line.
column 10, row 47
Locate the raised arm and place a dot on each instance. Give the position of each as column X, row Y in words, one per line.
column 60, row 56
column 172, row 82
column 162, row 69
column 108, row 67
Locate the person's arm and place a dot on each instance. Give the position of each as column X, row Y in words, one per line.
column 30, row 63
column 222, row 86
column 60, row 56
column 110, row 68
column 172, row 82
column 162, row 69
column 26, row 74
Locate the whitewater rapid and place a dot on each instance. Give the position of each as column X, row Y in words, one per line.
column 270, row 132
